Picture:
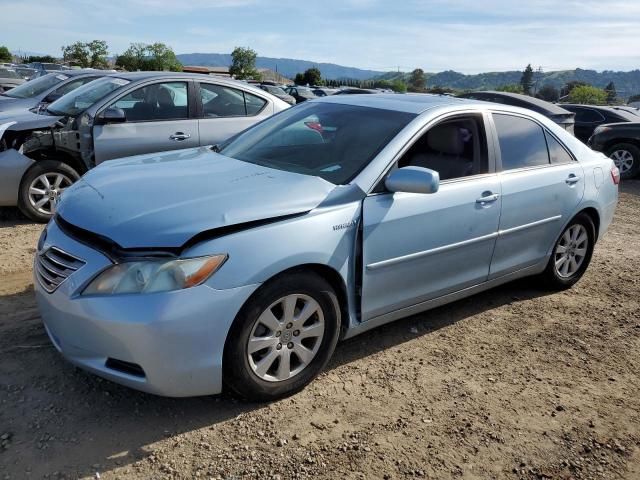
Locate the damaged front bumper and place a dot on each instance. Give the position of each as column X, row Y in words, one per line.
column 13, row 166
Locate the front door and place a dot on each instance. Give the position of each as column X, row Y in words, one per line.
column 157, row 120
column 417, row 247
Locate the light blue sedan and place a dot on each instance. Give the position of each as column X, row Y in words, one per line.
column 242, row 265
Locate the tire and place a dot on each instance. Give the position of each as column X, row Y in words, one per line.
column 626, row 156
column 252, row 374
column 52, row 170
column 565, row 275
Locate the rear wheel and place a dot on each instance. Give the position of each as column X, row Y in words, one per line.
column 571, row 254
column 42, row 186
column 282, row 338
column 626, row 156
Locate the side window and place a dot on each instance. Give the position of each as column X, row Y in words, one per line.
column 63, row 90
column 158, row 101
column 455, row 148
column 219, row 101
column 254, row 104
column 557, row 153
column 522, row 142
column 588, row 115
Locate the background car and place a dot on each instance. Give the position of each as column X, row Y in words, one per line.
column 588, row 117
column 41, row 91
column 621, row 142
column 278, row 92
column 323, row 91
column 117, row 116
column 301, row 94
column 250, row 268
column 559, row 115
column 9, row 79
column 355, row 91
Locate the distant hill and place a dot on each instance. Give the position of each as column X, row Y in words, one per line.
column 285, row 66
column 627, row 83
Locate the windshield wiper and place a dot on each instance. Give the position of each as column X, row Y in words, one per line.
column 215, row 148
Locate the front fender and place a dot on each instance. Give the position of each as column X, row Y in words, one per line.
column 13, row 166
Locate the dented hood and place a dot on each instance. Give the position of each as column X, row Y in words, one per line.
column 163, row 200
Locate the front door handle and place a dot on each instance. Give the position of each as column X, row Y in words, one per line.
column 179, row 136
column 488, row 197
column 572, row 179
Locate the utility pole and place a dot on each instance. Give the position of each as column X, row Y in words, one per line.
column 539, row 74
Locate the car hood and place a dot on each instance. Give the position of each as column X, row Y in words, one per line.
column 27, row 120
column 8, row 103
column 163, row 200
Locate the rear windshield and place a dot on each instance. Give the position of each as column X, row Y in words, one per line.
column 327, row 140
column 36, row 86
column 5, row 73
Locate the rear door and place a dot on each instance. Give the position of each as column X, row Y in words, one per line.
column 159, row 118
column 542, row 184
column 224, row 111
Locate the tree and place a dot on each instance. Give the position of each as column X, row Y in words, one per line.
column 39, row 58
column 587, row 95
column 512, row 88
column 299, row 79
column 566, row 90
column 87, row 54
column 399, row 86
column 417, row 80
column 634, row 98
column 154, row 57
column 548, row 93
column 526, row 81
column 243, row 64
column 312, row 76
column 5, row 54
column 612, row 95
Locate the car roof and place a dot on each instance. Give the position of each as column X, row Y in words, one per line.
column 409, row 103
column 541, row 106
column 140, row 76
column 81, row 71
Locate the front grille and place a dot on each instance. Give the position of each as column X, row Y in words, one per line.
column 54, row 266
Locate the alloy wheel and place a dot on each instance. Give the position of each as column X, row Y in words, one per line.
column 623, row 159
column 45, row 191
column 571, row 251
column 286, row 338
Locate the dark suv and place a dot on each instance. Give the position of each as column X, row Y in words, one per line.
column 588, row 117
column 621, row 142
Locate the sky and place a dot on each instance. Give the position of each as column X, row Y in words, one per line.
column 466, row 36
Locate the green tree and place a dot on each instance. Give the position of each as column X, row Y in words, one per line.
column 243, row 63
column 87, row 54
column 512, row 88
column 417, row 80
column 5, row 54
column 154, row 57
column 612, row 95
column 566, row 90
column 634, row 98
column 399, row 86
column 587, row 95
column 548, row 93
column 40, row 58
column 299, row 79
column 526, row 81
column 312, row 76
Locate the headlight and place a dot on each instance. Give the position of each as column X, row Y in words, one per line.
column 153, row 275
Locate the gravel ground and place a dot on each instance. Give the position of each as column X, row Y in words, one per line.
column 514, row 383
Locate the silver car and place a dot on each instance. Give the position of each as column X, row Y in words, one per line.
column 42, row 154
column 178, row 273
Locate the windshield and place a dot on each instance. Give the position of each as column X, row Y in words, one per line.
column 327, row 140
column 36, row 86
column 78, row 100
column 5, row 73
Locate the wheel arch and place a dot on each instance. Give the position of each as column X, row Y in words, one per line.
column 615, row 141
column 595, row 218
column 41, row 155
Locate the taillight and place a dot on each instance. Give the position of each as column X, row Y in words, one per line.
column 615, row 175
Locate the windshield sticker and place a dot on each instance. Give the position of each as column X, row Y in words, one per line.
column 332, row 168
column 120, row 81
column 61, row 77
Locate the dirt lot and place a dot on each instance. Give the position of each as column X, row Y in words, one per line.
column 513, row 383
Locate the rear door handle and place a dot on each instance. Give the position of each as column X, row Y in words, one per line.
column 488, row 197
column 179, row 136
column 572, row 179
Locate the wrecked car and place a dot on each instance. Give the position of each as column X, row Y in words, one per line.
column 180, row 272
column 43, row 153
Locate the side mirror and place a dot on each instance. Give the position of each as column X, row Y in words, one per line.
column 413, row 180
column 112, row 115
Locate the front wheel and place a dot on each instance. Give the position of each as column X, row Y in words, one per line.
column 41, row 188
column 282, row 338
column 571, row 254
column 626, row 156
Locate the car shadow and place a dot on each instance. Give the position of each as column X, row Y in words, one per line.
column 61, row 419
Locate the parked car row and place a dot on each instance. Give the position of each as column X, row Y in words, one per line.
column 613, row 130
column 77, row 121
